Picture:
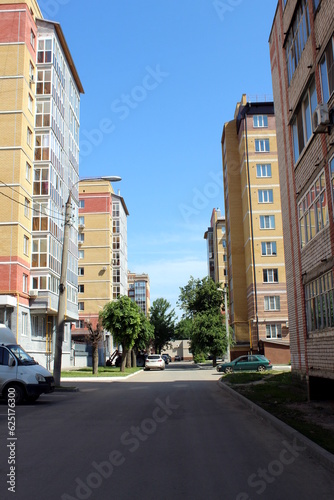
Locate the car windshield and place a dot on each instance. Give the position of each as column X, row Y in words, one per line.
column 21, row 355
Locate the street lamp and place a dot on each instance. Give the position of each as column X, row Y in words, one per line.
column 63, row 277
column 226, row 325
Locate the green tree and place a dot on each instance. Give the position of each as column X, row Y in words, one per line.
column 209, row 334
column 163, row 322
column 200, row 295
column 144, row 339
column 183, row 329
column 122, row 318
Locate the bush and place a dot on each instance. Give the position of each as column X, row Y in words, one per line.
column 200, row 358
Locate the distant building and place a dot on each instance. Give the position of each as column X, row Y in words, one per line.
column 39, row 158
column 256, row 264
column 216, row 248
column 302, row 55
column 139, row 290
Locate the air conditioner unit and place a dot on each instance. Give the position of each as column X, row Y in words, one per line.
column 33, row 293
column 320, row 118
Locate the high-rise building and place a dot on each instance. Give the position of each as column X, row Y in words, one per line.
column 256, row 264
column 139, row 290
column 302, row 54
column 39, row 163
column 216, row 248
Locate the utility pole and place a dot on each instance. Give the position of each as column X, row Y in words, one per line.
column 62, row 295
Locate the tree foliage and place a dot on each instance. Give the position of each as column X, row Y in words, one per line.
column 200, row 295
column 123, row 319
column 183, row 329
column 163, row 321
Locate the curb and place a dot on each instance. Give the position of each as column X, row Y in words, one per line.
column 98, row 379
column 323, row 456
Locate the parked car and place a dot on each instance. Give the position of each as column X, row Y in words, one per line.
column 154, row 361
column 256, row 362
column 177, row 358
column 165, row 358
column 168, row 356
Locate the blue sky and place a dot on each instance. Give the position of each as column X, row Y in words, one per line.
column 161, row 78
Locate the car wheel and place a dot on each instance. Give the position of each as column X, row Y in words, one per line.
column 229, row 369
column 161, row 368
column 19, row 393
column 261, row 368
column 147, row 369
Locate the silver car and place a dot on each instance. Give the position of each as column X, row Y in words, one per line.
column 154, row 361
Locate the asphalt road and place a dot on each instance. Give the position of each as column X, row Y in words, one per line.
column 173, row 434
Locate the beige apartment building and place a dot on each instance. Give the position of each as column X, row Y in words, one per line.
column 254, row 235
column 302, row 54
column 216, row 248
column 39, row 164
column 139, row 291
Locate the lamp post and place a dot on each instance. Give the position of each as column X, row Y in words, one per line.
column 63, row 278
column 226, row 325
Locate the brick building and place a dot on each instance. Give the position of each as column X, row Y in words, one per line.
column 301, row 52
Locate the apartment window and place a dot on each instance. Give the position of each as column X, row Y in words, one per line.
column 297, row 37
column 224, row 243
column 28, row 172
column 116, row 243
column 263, row 170
column 25, row 245
column 260, row 121
column 274, row 331
column 41, row 283
column 29, row 137
column 38, row 327
column 26, row 207
column 24, row 330
column 224, row 257
column 81, row 221
column 40, row 217
column 265, row 195
column 25, row 283
column 115, row 209
column 116, row 259
column 319, row 302
column 31, row 74
column 42, row 147
column 30, row 103
column 81, row 271
column 302, row 124
column 327, row 71
column 81, row 288
column 116, row 292
column 44, row 53
column 115, row 226
column 41, row 181
column 81, row 237
column 81, row 203
column 267, row 221
column 43, row 113
column 313, row 210
column 270, row 275
column 81, row 254
column 43, row 82
column 269, row 248
column 116, row 276
column 39, row 252
column 80, row 324
column 272, row 303
column 262, row 145
column 81, row 306
column 32, row 39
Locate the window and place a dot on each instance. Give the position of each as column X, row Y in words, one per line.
column 29, row 137
column 270, row 275
column 26, row 207
column 267, row 221
column 32, row 39
column 274, row 331
column 262, row 145
column 42, row 147
column 272, row 303
column 269, row 248
column 319, row 300
column 41, row 181
column 44, row 53
column 39, row 252
column 115, row 226
column 31, row 74
column 30, row 103
column 115, row 209
column 41, row 283
column 24, row 330
column 116, row 292
column 81, row 221
column 313, row 210
column 43, row 82
column 224, row 243
column 81, row 306
column 25, row 245
column 43, row 110
column 81, row 254
column 81, row 288
column 38, row 327
column 327, row 71
column 25, row 283
column 81, row 203
column 297, row 38
column 263, row 170
column 265, row 195
column 81, row 271
column 260, row 121
column 40, row 217
column 80, row 324
column 28, row 172
column 116, row 276
column 81, row 237
column 302, row 125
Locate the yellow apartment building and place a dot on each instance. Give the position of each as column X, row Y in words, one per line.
column 216, row 248
column 39, row 164
column 256, row 265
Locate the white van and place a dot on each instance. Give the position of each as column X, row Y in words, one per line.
column 20, row 371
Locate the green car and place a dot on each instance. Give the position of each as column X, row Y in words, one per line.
column 256, row 362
